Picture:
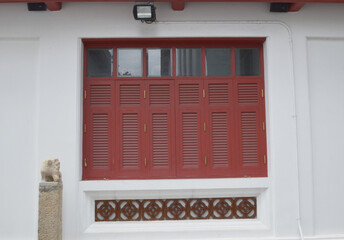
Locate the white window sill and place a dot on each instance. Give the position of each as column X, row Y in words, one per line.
column 234, row 185
column 176, row 226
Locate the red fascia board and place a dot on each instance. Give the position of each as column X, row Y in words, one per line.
column 178, row 5
column 294, row 7
column 149, row 42
column 177, row 1
column 54, row 6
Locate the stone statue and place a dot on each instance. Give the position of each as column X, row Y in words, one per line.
column 50, row 170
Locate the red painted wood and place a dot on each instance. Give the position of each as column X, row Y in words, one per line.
column 177, row 5
column 175, row 143
column 98, row 136
column 219, row 120
column 281, row 1
column 189, row 125
column 296, row 6
column 130, row 136
column 160, row 128
column 54, row 6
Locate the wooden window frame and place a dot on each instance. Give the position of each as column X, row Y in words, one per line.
column 176, row 171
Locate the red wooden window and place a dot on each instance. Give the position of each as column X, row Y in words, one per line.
column 197, row 120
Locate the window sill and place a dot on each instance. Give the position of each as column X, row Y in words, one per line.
column 176, row 226
column 234, row 184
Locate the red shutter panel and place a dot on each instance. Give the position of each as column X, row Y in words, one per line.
column 129, row 159
column 219, row 109
column 251, row 132
column 98, row 139
column 160, row 147
column 191, row 154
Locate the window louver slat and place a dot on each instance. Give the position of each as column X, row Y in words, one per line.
column 160, row 141
column 100, row 135
column 247, row 93
column 218, row 93
column 130, row 94
column 249, row 138
column 220, row 139
column 188, row 94
column 100, row 94
column 190, row 139
column 130, row 140
column 159, row 94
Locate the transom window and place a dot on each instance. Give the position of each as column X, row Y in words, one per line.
column 173, row 108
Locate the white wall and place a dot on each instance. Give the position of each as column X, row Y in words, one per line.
column 51, row 96
column 326, row 84
column 18, row 139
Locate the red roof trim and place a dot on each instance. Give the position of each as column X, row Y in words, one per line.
column 269, row 1
column 296, row 5
column 54, row 6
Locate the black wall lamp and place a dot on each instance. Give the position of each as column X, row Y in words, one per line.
column 144, row 12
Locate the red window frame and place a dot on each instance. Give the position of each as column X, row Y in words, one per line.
column 237, row 167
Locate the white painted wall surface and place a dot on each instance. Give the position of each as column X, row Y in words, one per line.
column 326, row 84
column 53, row 94
column 18, row 138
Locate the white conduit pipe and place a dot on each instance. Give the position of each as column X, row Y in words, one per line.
column 300, row 229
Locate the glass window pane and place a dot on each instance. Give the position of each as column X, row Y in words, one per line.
column 247, row 62
column 99, row 62
column 218, row 61
column 159, row 62
column 189, row 62
column 129, row 62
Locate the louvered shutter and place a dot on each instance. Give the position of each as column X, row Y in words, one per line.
column 250, row 128
column 220, row 127
column 160, row 129
column 188, row 120
column 129, row 159
column 98, row 130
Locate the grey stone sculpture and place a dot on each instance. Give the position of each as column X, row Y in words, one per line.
column 50, row 170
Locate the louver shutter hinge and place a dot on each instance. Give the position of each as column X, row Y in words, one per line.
column 205, row 160
column 85, row 94
column 84, row 127
column 144, row 94
column 204, row 127
column 85, row 162
column 262, row 93
column 145, row 162
column 145, row 127
column 203, row 93
column 264, row 159
column 263, row 126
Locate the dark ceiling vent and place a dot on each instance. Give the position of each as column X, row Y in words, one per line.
column 279, row 7
column 37, row 6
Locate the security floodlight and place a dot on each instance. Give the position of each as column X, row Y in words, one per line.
column 144, row 12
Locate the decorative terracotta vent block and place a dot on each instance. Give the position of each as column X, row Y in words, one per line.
column 176, row 209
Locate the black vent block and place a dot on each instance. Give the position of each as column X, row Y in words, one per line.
column 279, row 7
column 40, row 6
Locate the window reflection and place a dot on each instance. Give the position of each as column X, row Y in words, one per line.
column 247, row 62
column 99, row 62
column 218, row 61
column 129, row 62
column 189, row 62
column 159, row 62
